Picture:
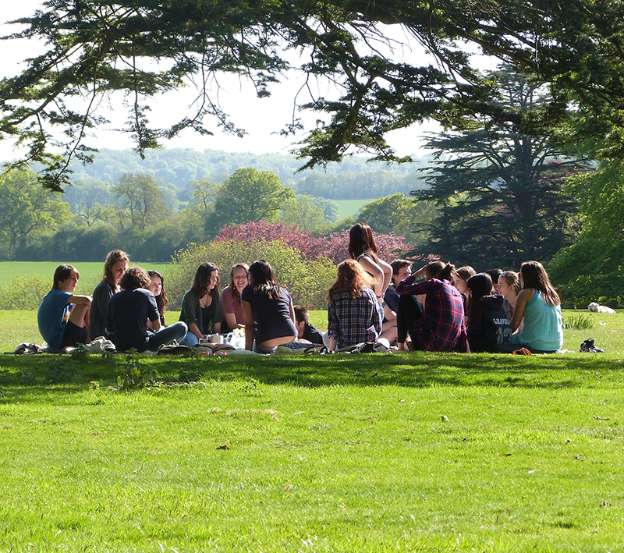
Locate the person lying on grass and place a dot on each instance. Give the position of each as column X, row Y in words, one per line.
column 129, row 311
column 63, row 316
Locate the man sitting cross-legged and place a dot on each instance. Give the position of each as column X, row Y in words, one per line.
column 129, row 311
column 62, row 316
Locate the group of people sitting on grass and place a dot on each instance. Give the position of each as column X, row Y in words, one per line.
column 435, row 308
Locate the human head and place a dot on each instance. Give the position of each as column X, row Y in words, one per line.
column 62, row 275
column 239, row 278
column 134, row 278
column 400, row 270
column 206, row 280
column 534, row 276
column 495, row 275
column 262, row 278
column 461, row 278
column 439, row 270
column 361, row 240
column 157, row 286
column 301, row 319
column 509, row 284
column 115, row 265
column 479, row 285
column 351, row 277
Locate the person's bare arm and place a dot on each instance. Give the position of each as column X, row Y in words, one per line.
column 249, row 335
column 195, row 330
column 80, row 300
column 389, row 315
column 376, row 271
column 230, row 319
column 387, row 271
column 156, row 326
column 523, row 298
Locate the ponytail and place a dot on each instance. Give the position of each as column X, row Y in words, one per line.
column 447, row 272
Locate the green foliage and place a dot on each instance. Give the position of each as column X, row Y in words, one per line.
column 499, row 188
column 577, row 321
column 592, row 268
column 27, row 211
column 397, row 214
column 307, row 213
column 24, row 292
column 142, row 201
column 248, row 195
column 307, row 281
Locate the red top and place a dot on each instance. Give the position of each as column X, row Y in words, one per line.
column 232, row 304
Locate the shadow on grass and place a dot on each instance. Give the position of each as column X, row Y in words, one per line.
column 55, row 373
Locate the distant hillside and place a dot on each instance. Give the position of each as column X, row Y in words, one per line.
column 354, row 178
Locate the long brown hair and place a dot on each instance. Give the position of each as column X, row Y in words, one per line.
column 361, row 241
column 202, row 280
column 162, row 300
column 351, row 278
column 535, row 276
column 112, row 257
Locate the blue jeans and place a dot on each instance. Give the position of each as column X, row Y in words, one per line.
column 165, row 335
column 190, row 340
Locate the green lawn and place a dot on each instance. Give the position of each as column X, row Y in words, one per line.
column 418, row 452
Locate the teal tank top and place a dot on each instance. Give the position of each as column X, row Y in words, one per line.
column 542, row 325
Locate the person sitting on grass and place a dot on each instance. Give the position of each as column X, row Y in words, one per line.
column 363, row 249
column 157, row 287
column 305, row 330
column 231, row 297
column 509, row 286
column 538, row 310
column 115, row 264
column 354, row 314
column 129, row 311
column 269, row 311
column 62, row 316
column 201, row 307
column 441, row 327
column 489, row 327
column 400, row 270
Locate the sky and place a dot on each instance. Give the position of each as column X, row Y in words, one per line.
column 261, row 118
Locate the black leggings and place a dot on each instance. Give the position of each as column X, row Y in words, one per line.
column 409, row 319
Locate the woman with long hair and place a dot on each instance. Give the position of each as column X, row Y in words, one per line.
column 231, row 297
column 489, row 327
column 268, row 311
column 354, row 314
column 538, row 310
column 363, row 249
column 441, row 326
column 157, row 287
column 460, row 278
column 201, row 306
column 115, row 265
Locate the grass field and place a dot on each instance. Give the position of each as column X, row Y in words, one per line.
column 349, row 208
column 90, row 271
column 419, row 452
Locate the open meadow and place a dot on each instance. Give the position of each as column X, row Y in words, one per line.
column 419, row 452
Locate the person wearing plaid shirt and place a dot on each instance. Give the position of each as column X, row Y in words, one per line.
column 354, row 314
column 442, row 326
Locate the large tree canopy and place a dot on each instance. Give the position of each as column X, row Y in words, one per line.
column 144, row 47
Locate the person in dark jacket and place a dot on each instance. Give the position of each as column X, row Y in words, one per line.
column 489, row 327
column 305, row 330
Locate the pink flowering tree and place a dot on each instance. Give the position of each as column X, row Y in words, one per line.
column 334, row 246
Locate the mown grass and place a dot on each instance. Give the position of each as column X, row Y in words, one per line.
column 418, row 452
column 355, row 453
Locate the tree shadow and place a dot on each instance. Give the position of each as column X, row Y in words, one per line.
column 23, row 377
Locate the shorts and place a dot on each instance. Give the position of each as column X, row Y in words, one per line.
column 73, row 335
